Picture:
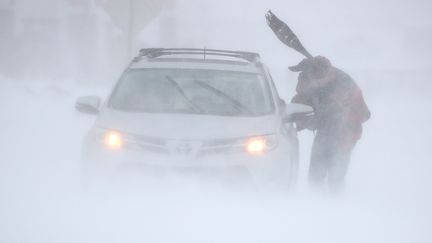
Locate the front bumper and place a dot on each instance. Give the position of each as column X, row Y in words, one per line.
column 273, row 166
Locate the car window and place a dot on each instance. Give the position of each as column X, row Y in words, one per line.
column 211, row 92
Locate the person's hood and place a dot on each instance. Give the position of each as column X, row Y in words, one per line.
column 186, row 126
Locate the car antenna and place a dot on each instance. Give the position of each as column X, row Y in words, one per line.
column 205, row 49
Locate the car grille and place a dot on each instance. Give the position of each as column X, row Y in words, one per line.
column 149, row 144
column 191, row 148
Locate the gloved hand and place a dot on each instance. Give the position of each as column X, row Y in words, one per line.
column 305, row 121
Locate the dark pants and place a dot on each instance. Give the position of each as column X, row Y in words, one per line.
column 329, row 162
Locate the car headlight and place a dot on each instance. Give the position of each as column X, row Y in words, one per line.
column 260, row 144
column 113, row 140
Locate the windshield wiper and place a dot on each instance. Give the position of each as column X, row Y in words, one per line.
column 183, row 94
column 236, row 104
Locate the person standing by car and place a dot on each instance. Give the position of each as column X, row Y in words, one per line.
column 340, row 111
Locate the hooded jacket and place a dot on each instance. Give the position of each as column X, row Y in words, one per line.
column 338, row 103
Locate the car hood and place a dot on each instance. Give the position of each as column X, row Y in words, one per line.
column 187, row 126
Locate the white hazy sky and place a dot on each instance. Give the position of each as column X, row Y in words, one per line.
column 360, row 34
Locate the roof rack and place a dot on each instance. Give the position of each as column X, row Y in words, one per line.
column 157, row 52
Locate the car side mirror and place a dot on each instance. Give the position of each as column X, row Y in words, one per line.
column 294, row 112
column 88, row 104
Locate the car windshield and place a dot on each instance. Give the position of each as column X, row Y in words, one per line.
column 211, row 92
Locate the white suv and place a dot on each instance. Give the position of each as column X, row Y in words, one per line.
column 197, row 110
